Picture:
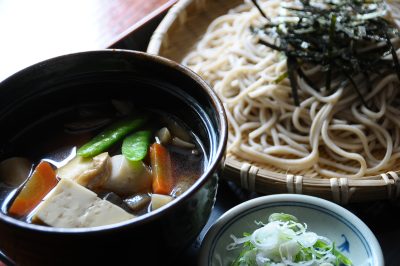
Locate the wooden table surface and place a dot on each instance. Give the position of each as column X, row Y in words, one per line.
column 32, row 31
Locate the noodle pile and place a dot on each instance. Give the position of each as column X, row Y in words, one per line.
column 331, row 134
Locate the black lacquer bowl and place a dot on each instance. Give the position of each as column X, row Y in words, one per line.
column 150, row 81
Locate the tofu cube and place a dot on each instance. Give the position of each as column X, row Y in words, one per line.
column 70, row 205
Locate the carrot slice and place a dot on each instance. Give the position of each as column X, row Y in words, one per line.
column 39, row 184
column 163, row 181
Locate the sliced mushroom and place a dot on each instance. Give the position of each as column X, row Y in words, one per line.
column 89, row 172
column 138, row 202
column 183, row 144
column 115, row 199
column 158, row 200
column 176, row 129
column 164, row 135
column 128, row 177
column 14, row 171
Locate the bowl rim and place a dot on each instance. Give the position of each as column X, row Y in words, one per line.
column 305, row 201
column 212, row 166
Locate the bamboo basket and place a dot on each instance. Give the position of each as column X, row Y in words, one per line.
column 177, row 34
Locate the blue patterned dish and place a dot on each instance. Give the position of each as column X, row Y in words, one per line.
column 351, row 236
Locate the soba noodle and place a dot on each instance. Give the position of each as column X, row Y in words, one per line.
column 334, row 135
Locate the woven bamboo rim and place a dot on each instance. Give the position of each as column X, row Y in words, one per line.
column 179, row 31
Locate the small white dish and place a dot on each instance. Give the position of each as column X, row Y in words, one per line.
column 351, row 236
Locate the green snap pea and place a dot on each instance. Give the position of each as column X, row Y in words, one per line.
column 135, row 146
column 109, row 136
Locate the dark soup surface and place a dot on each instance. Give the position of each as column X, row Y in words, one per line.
column 97, row 164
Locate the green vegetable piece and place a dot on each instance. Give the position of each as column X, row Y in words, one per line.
column 109, row 136
column 342, row 259
column 136, row 146
column 283, row 217
column 246, row 258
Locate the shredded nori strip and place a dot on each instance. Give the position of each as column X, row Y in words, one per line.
column 394, row 55
column 259, row 9
column 332, row 35
column 357, row 90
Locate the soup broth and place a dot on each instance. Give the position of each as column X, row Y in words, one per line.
column 97, row 164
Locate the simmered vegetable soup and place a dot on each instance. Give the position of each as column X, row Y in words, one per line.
column 105, row 163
